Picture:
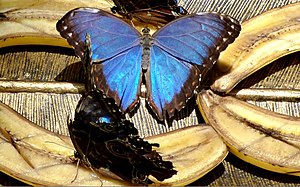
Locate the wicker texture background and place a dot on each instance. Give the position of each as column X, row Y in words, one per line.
column 52, row 111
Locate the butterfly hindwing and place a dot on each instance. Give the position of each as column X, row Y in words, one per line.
column 170, row 82
column 178, row 49
column 103, row 137
column 120, row 77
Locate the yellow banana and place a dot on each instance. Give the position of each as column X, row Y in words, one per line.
column 44, row 158
column 262, row 40
column 261, row 137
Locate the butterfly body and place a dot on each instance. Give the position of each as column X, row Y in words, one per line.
column 146, row 43
column 170, row 60
column 103, row 137
column 149, row 11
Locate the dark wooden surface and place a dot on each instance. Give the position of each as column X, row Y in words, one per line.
column 52, row 111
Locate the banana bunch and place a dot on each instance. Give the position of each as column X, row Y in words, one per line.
column 40, row 154
column 261, row 137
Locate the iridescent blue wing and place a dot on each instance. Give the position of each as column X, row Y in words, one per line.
column 116, row 51
column 178, row 50
column 149, row 11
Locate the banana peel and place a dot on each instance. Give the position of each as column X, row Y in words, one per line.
column 33, row 22
column 261, row 137
column 262, row 40
column 255, row 135
column 42, row 154
column 37, row 156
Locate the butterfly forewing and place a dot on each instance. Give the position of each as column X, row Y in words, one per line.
column 116, row 52
column 194, row 38
column 167, row 73
column 177, row 52
column 120, row 77
column 109, row 35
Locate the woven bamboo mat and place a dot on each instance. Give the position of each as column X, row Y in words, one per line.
column 52, row 111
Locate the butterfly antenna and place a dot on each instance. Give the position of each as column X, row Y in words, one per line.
column 59, row 145
column 71, row 148
column 89, row 165
column 87, row 162
column 10, row 137
column 96, row 175
column 77, row 168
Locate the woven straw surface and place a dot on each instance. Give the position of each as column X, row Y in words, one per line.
column 52, row 111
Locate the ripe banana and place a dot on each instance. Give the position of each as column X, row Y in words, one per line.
column 45, row 158
column 261, row 137
column 262, row 40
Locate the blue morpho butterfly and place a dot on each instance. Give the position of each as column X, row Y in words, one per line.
column 149, row 11
column 103, row 138
column 169, row 62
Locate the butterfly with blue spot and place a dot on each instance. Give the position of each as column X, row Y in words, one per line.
column 103, row 138
column 149, row 11
column 169, row 61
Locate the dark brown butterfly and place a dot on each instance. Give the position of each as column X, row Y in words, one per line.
column 103, row 138
column 149, row 11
